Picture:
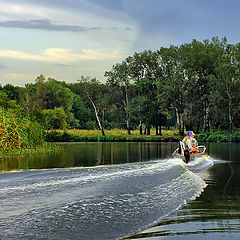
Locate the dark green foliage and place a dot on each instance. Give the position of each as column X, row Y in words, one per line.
column 55, row 118
column 36, row 134
column 235, row 136
column 54, row 136
column 13, row 93
column 202, row 137
column 90, row 125
column 81, row 113
column 56, row 95
column 219, row 137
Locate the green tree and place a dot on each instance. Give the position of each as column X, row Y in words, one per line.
column 227, row 85
column 172, row 85
column 57, row 95
column 120, row 79
column 145, row 71
column 41, row 91
column 55, row 118
column 3, row 99
column 94, row 92
column 13, row 92
column 28, row 99
column 199, row 59
column 81, row 113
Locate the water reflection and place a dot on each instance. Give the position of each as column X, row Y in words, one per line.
column 215, row 213
column 90, row 154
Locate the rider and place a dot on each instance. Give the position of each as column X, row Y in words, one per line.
column 187, row 141
column 190, row 144
column 194, row 143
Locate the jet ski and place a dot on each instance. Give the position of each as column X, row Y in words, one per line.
column 185, row 155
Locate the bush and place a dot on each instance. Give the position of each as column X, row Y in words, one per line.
column 202, row 137
column 35, row 134
column 235, row 137
column 18, row 132
column 91, row 125
column 218, row 137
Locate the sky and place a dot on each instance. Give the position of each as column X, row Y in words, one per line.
column 67, row 39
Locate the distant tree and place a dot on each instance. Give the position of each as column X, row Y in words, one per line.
column 94, row 92
column 55, row 118
column 13, row 92
column 172, row 85
column 41, row 91
column 145, row 71
column 57, row 95
column 119, row 78
column 3, row 99
column 81, row 113
column 199, row 60
column 227, row 84
column 28, row 99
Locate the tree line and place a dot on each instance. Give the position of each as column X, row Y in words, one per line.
column 192, row 86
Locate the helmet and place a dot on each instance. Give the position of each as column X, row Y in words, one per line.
column 189, row 133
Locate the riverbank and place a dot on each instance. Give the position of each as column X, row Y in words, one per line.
column 118, row 135
column 219, row 136
column 44, row 149
column 115, row 135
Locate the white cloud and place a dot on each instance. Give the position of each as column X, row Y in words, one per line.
column 23, row 11
column 61, row 55
column 18, row 76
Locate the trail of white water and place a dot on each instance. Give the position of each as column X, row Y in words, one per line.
column 95, row 203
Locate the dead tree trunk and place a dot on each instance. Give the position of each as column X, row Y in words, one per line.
column 96, row 114
column 127, row 110
column 140, row 127
column 206, row 126
column 180, row 122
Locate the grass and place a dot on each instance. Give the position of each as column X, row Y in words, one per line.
column 117, row 132
column 114, row 135
column 120, row 135
column 46, row 148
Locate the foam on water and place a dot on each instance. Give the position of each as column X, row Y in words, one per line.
column 200, row 164
column 95, row 203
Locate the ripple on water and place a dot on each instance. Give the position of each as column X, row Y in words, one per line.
column 102, row 203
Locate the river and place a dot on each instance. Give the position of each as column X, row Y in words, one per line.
column 121, row 191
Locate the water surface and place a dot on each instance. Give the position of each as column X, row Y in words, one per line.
column 89, row 154
column 112, row 190
column 215, row 214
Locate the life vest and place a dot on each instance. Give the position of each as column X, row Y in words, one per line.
column 184, row 142
column 194, row 145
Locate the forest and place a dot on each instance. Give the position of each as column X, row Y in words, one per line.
column 194, row 86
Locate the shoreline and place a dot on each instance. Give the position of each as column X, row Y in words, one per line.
column 109, row 138
column 77, row 136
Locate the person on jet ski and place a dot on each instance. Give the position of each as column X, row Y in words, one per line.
column 190, row 144
column 194, row 143
column 187, row 141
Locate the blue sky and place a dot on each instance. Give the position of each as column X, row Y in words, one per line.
column 66, row 39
